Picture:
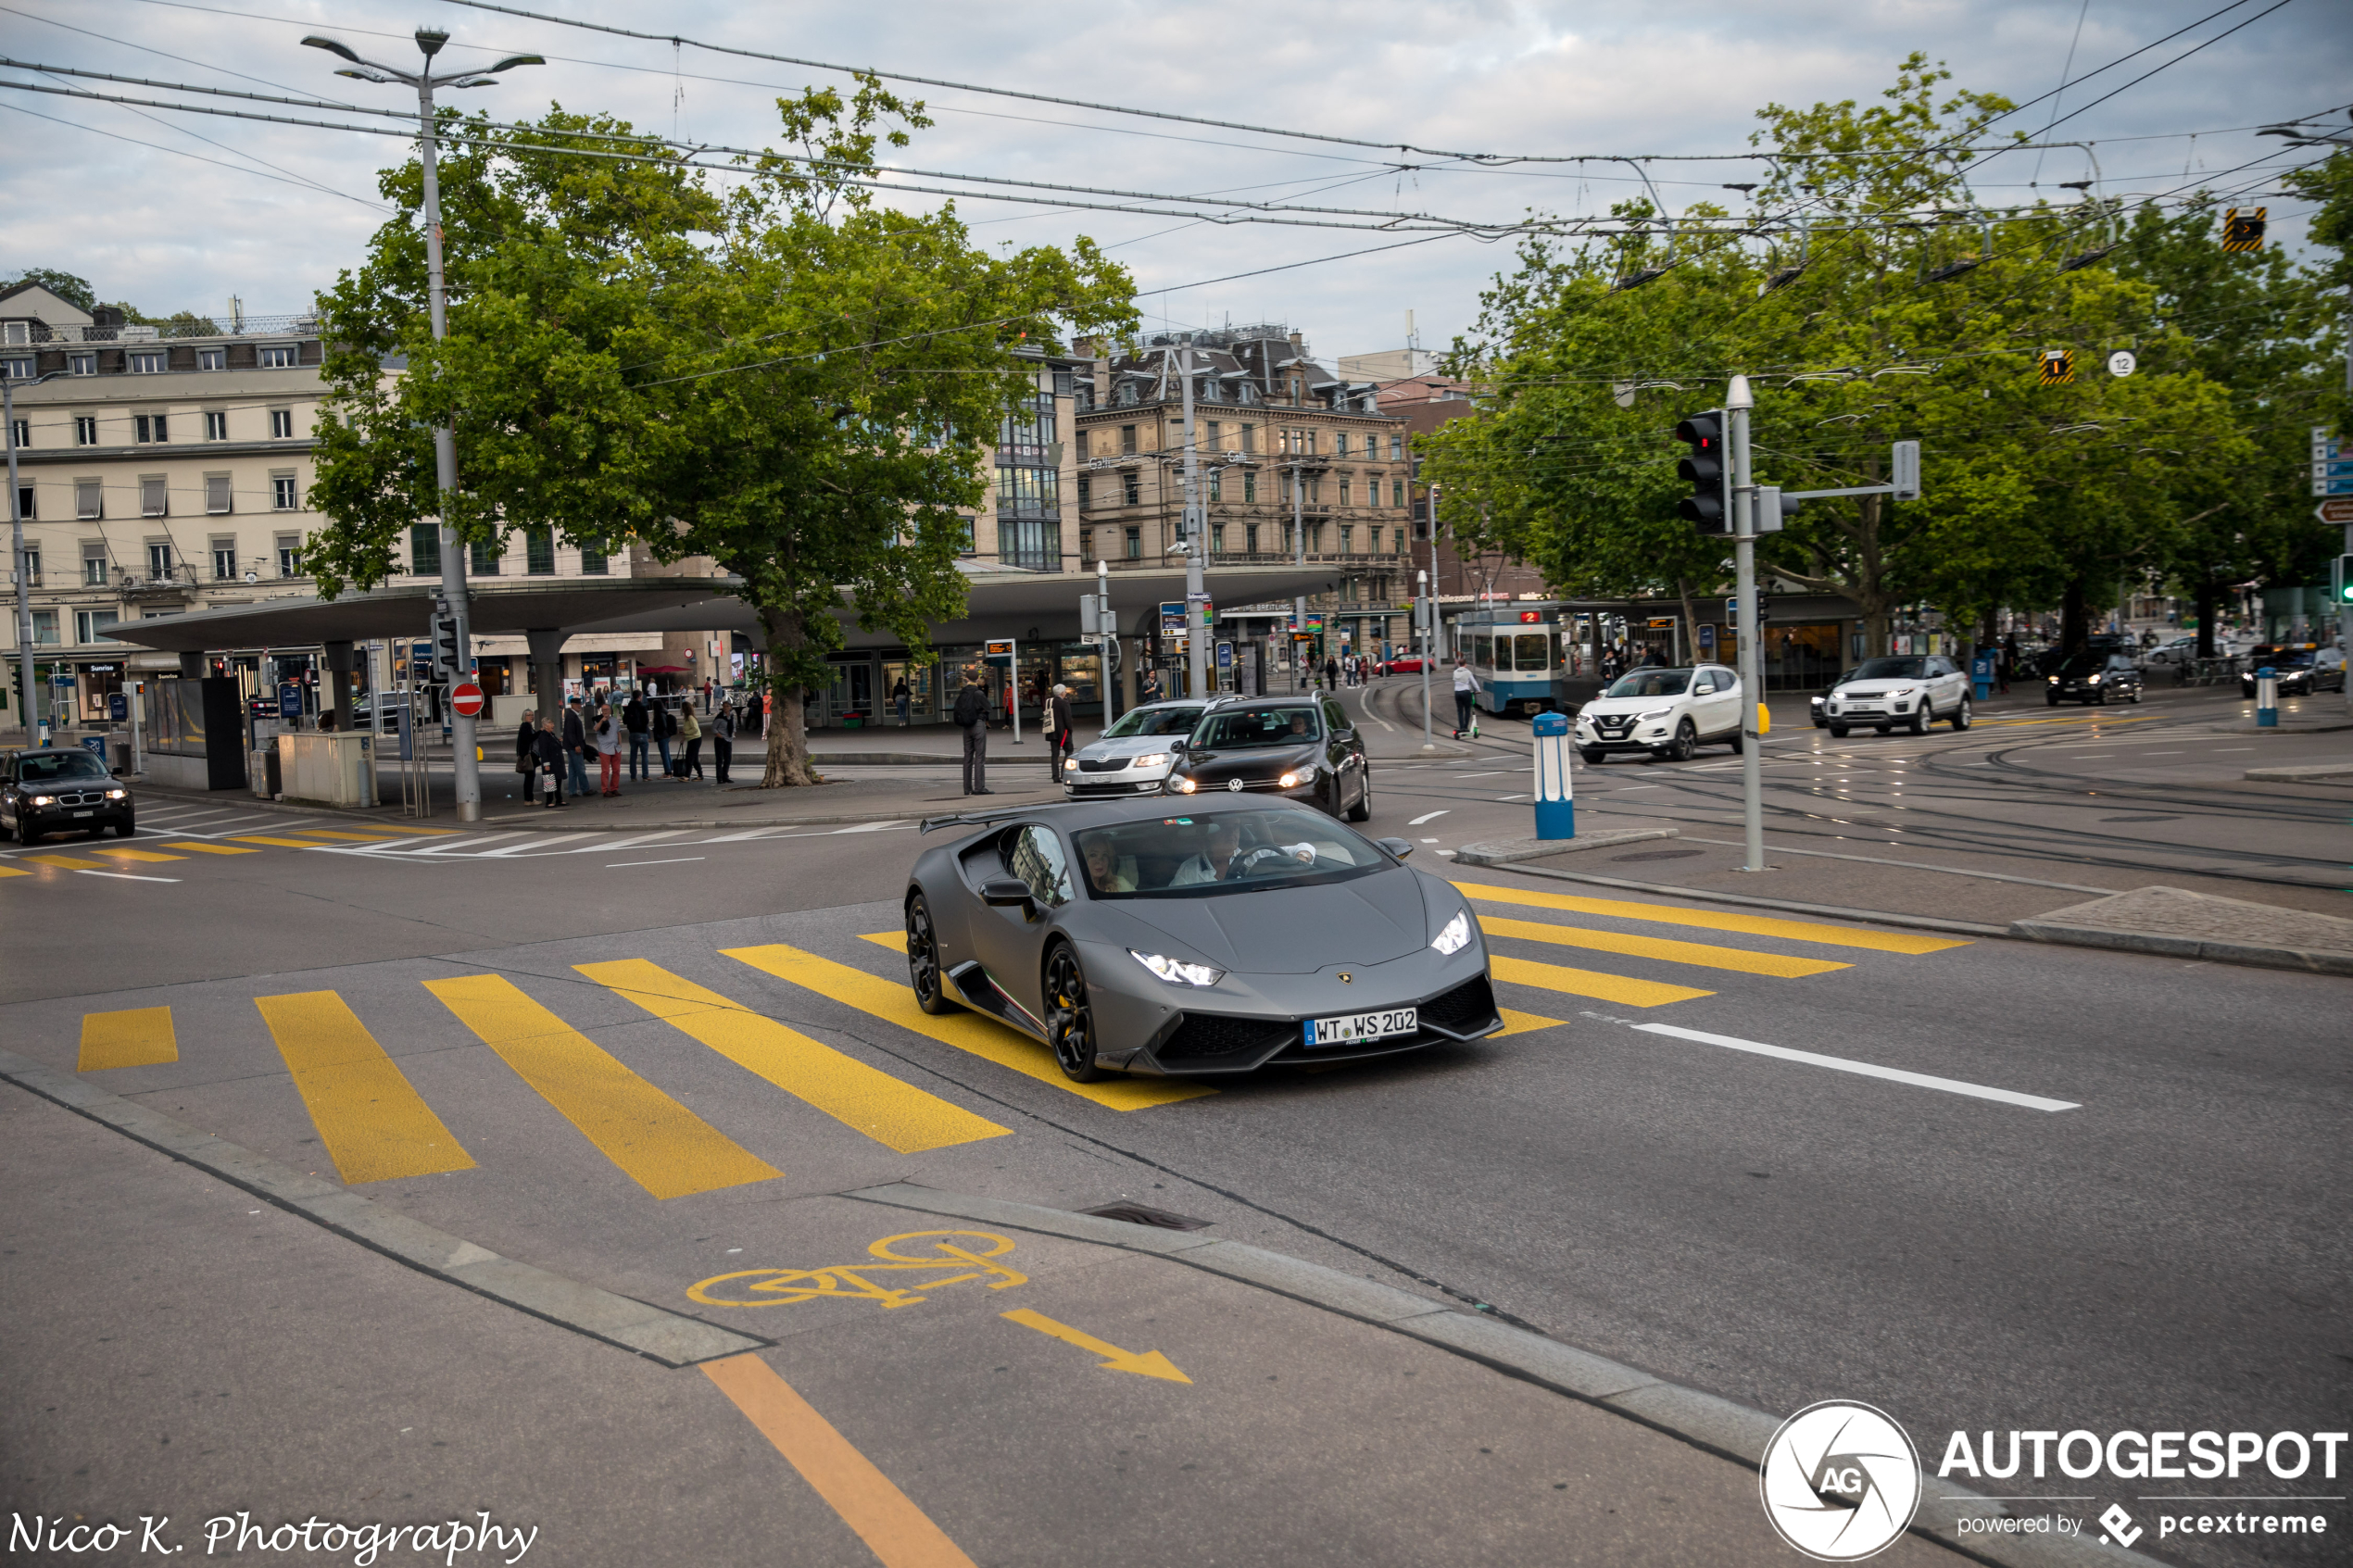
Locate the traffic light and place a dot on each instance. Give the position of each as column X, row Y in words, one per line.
column 2244, row 231
column 1707, row 471
column 2341, row 579
column 1764, row 610
column 445, row 647
column 2057, row 366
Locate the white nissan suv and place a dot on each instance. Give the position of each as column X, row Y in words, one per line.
column 1669, row 713
column 1914, row 690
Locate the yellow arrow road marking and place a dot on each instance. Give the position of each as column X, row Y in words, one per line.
column 1145, row 1363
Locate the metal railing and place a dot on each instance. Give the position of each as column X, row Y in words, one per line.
column 2208, row 671
column 19, row 334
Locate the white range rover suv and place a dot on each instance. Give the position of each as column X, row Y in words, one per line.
column 1669, row 713
column 1914, row 690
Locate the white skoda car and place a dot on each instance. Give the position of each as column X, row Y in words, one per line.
column 1914, row 690
column 1668, row 714
column 1133, row 757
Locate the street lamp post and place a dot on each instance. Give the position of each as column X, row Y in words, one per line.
column 465, row 762
column 1425, row 613
column 17, row 558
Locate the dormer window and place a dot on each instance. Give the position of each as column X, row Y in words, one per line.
column 277, row 355
column 82, row 364
column 212, row 358
column 147, row 362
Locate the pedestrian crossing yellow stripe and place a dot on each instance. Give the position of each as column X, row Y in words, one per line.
column 333, row 833
column 1522, row 1023
column 1700, row 953
column 134, row 1037
column 279, row 843
column 68, row 862
column 213, row 849
column 374, row 1125
column 1755, row 925
column 897, row 1115
column 892, row 1002
column 658, row 1143
column 137, row 855
column 14, row 871
column 1589, row 983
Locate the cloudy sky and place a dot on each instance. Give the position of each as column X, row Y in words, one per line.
column 174, row 211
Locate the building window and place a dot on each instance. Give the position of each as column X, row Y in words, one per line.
column 216, row 426
column 158, row 560
column 147, row 362
column 281, row 491
column 212, row 358
column 88, row 498
column 1133, row 485
column 280, row 424
column 481, row 558
column 1340, row 444
column 82, row 364
column 1396, row 492
column 1250, row 538
column 1217, row 537
column 224, row 561
column 1029, row 492
column 1401, row 541
column 1216, row 435
column 94, row 566
column 1127, row 438
column 24, row 503
column 539, row 553
column 1135, row 544
column 1249, row 438
column 91, row 625
column 44, row 627
column 1343, row 492
column 16, row 369
column 153, row 502
column 289, row 555
column 1315, row 492
column 1083, row 454
column 970, row 544
column 277, row 357
column 85, row 430
column 32, row 564
column 592, row 562
column 1085, row 491
column 1347, row 540
column 424, row 549
column 1250, row 487
column 216, row 493
column 1289, row 535
column 1085, row 546
column 151, row 428
column 1396, row 448
column 1216, row 484
column 1033, row 543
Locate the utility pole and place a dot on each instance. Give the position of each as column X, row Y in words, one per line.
column 1299, row 546
column 466, row 766
column 24, row 577
column 1743, row 519
column 1196, row 542
column 1426, row 612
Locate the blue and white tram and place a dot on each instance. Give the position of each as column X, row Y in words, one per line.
column 1517, row 656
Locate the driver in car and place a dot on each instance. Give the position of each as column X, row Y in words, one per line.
column 1214, row 862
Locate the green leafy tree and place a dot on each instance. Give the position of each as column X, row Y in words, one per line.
column 784, row 379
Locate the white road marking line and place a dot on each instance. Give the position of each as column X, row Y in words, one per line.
column 625, row 842
column 616, row 865
column 1495, row 773
column 536, row 841
column 468, row 843
column 735, row 837
column 126, row 876
column 1433, row 816
column 2160, row 754
column 2234, row 748
column 1511, row 797
column 878, row 827
column 1430, row 841
column 1866, row 1068
column 1628, row 789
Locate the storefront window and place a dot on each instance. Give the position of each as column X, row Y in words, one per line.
column 1082, row 672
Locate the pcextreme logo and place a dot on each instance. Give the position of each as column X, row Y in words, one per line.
column 1841, row 1481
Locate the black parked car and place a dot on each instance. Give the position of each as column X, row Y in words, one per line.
column 61, row 789
column 2300, row 671
column 2093, row 676
column 1301, row 748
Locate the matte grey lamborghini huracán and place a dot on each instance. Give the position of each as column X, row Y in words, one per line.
column 1201, row 939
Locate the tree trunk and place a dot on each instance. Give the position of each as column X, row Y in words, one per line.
column 787, row 733
column 2074, row 614
column 2206, row 598
column 1691, row 621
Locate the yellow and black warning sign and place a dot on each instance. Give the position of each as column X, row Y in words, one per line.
column 2243, row 227
column 2055, row 366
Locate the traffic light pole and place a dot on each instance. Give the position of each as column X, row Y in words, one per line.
column 1744, row 521
column 1196, row 544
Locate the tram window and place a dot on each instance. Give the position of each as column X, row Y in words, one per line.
column 1530, row 651
column 1482, row 650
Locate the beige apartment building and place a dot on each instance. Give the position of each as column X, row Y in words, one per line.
column 1296, row 463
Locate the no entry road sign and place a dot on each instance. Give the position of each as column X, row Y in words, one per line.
column 465, row 699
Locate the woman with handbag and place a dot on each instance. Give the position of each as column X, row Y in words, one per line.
column 527, row 758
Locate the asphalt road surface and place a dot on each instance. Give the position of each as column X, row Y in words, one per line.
column 2109, row 1195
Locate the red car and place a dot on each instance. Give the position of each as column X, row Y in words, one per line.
column 1405, row 664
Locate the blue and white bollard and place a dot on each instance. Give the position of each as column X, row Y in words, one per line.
column 1556, row 797
column 2267, row 698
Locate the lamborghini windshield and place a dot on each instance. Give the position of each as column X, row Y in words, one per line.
column 1221, row 852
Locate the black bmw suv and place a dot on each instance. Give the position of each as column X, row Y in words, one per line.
column 61, row 789
column 1301, row 746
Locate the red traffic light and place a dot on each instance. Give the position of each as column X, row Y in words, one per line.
column 1709, row 503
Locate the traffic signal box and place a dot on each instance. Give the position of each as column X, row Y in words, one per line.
column 1710, row 505
column 2057, row 366
column 2341, row 579
column 2243, row 229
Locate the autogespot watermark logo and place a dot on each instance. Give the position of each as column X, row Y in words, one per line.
column 1841, row 1481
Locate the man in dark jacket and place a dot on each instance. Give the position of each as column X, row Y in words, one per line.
column 633, row 718
column 971, row 717
column 549, row 751
column 665, row 724
column 1331, row 674
column 1058, row 731
column 527, row 756
column 575, row 746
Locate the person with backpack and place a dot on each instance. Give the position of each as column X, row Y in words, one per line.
column 690, row 731
column 971, row 717
column 633, row 718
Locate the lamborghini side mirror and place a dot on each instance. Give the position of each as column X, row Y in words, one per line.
column 1000, row 892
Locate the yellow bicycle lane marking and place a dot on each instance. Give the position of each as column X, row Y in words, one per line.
column 848, row 1282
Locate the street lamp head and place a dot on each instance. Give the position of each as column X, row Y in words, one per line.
column 363, row 75
column 513, row 60
column 329, row 45
column 430, row 40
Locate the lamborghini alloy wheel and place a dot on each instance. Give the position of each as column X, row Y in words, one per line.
column 1070, row 1016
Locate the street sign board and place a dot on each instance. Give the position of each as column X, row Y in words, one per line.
column 466, row 697
column 1172, row 617
column 117, row 707
column 2336, row 510
column 1225, row 656
column 2122, row 363
column 289, row 699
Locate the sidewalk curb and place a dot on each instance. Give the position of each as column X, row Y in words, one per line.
column 1717, row 1425
column 2310, row 960
column 1784, row 905
column 1505, row 851
column 2314, row 773
column 660, row 1337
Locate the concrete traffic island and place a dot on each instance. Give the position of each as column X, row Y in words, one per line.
column 1506, row 851
column 2174, row 921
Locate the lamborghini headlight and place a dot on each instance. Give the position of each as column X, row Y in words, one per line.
column 1176, row 972
column 1456, row 936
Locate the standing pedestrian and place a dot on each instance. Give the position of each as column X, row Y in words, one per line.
column 1331, row 673
column 576, row 746
column 527, row 756
column 971, row 717
column 690, row 731
column 633, row 718
column 1058, row 731
column 548, row 759
column 723, row 740
column 1466, row 691
column 665, row 722
column 898, row 694
column 610, row 729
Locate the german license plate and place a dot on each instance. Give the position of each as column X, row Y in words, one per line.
column 85, row 813
column 1355, row 1026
